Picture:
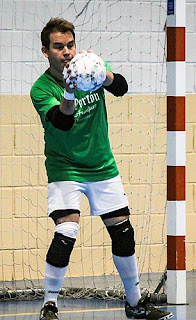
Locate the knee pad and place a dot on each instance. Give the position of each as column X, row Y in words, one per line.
column 62, row 244
column 122, row 235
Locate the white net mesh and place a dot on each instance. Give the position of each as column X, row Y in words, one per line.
column 130, row 36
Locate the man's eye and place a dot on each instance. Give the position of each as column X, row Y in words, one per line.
column 70, row 45
column 59, row 47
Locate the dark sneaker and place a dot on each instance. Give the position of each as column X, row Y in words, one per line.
column 49, row 311
column 145, row 310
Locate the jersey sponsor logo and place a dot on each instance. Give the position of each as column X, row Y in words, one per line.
column 86, row 111
column 88, row 99
column 85, row 106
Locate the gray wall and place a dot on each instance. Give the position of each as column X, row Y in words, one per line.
column 128, row 34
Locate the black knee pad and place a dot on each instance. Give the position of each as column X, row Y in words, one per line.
column 60, row 250
column 122, row 235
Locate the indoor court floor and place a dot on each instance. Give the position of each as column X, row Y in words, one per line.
column 94, row 309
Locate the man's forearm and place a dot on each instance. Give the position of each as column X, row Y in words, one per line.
column 109, row 78
column 62, row 116
column 67, row 106
column 118, row 86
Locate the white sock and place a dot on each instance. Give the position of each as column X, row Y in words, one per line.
column 127, row 268
column 54, row 277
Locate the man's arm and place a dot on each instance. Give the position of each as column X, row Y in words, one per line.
column 62, row 117
column 116, row 84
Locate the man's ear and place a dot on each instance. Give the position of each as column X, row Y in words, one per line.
column 45, row 51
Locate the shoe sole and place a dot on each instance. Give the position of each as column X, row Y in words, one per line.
column 50, row 319
column 169, row 316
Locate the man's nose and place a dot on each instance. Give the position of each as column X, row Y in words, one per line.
column 65, row 50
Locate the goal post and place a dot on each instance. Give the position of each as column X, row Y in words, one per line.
column 176, row 152
column 130, row 36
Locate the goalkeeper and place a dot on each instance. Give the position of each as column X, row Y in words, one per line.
column 79, row 161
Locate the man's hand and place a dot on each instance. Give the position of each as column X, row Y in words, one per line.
column 109, row 78
column 70, row 85
column 67, row 105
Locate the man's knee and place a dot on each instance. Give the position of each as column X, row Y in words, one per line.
column 122, row 235
column 62, row 244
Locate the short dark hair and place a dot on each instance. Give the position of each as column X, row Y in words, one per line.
column 55, row 25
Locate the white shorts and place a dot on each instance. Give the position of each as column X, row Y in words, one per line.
column 103, row 196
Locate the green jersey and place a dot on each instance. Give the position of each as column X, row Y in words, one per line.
column 83, row 153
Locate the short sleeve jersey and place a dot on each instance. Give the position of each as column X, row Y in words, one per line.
column 83, row 153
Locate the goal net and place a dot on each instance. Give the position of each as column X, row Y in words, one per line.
column 130, row 36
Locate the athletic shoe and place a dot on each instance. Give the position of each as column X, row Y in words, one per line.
column 49, row 311
column 145, row 310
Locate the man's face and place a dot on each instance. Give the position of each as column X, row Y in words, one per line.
column 61, row 50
